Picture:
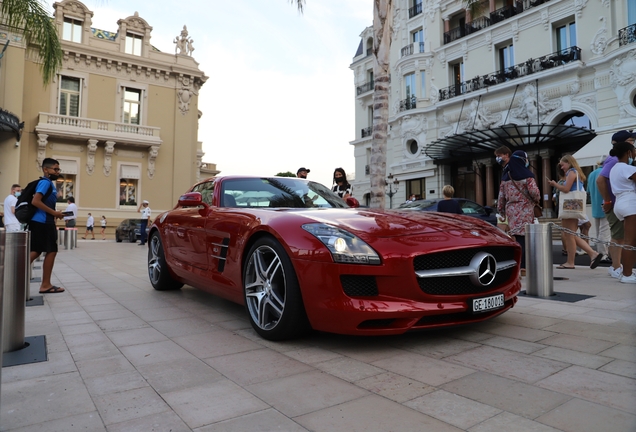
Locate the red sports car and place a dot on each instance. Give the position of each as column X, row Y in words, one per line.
column 299, row 257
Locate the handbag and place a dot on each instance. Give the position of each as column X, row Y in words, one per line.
column 537, row 209
column 572, row 204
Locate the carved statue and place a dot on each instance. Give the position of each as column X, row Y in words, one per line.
column 183, row 44
column 478, row 118
column 531, row 108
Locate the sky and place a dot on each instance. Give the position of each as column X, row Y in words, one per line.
column 280, row 94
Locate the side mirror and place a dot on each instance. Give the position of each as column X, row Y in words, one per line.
column 352, row 202
column 191, row 199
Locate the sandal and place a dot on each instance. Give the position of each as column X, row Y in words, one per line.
column 565, row 267
column 596, row 261
column 53, row 290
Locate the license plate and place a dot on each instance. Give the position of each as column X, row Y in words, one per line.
column 488, row 303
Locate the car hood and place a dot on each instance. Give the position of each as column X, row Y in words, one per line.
column 395, row 223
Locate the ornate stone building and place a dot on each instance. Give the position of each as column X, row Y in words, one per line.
column 120, row 116
column 547, row 76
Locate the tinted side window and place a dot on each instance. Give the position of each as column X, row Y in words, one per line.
column 469, row 207
column 206, row 190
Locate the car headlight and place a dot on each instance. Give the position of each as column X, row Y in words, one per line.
column 344, row 246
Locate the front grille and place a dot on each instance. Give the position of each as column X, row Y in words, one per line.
column 459, row 258
column 359, row 286
column 460, row 285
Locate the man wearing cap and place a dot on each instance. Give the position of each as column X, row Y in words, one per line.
column 145, row 220
column 302, row 173
column 605, row 188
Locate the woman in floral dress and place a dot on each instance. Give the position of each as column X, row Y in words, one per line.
column 518, row 194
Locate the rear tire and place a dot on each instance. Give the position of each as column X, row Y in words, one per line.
column 117, row 238
column 272, row 294
column 158, row 272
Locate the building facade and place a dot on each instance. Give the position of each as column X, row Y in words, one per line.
column 121, row 117
column 547, row 76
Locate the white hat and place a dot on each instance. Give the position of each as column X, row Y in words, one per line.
column 145, row 202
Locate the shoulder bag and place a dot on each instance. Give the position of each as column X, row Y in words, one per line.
column 572, row 204
column 538, row 210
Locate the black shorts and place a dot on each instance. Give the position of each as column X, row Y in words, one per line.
column 90, row 228
column 43, row 237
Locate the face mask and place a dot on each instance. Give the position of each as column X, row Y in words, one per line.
column 629, row 161
column 499, row 160
column 527, row 164
column 17, row 194
column 341, row 179
column 54, row 177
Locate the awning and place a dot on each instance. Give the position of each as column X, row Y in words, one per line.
column 479, row 143
column 590, row 154
column 10, row 123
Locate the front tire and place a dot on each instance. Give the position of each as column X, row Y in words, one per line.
column 158, row 272
column 131, row 237
column 272, row 294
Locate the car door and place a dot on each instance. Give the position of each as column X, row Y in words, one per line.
column 187, row 231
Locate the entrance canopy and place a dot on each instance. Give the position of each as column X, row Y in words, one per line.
column 591, row 152
column 479, row 143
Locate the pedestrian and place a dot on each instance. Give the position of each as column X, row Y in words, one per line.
column 70, row 221
column 302, row 172
column 518, row 194
column 103, row 231
column 448, row 204
column 411, row 199
column 11, row 223
column 42, row 224
column 604, row 184
column 89, row 227
column 574, row 179
column 599, row 222
column 341, row 186
column 623, row 179
column 145, row 220
column 502, row 156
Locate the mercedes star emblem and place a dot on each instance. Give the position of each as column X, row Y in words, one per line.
column 485, row 269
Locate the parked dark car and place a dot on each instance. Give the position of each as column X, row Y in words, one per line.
column 129, row 230
column 470, row 208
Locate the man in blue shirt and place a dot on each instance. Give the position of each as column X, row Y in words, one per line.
column 42, row 225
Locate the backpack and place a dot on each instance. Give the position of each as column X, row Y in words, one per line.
column 24, row 210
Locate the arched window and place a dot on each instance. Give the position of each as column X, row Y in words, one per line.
column 576, row 119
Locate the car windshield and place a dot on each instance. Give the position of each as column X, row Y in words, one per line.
column 417, row 205
column 279, row 192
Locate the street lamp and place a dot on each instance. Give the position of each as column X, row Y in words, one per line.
column 390, row 182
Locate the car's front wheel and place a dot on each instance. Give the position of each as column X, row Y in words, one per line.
column 158, row 272
column 131, row 237
column 117, row 237
column 272, row 293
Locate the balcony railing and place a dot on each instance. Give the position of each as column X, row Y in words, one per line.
column 408, row 104
column 415, row 10
column 84, row 128
column 364, row 88
column 407, row 50
column 627, row 35
column 528, row 67
column 497, row 16
column 366, row 132
column 369, row 51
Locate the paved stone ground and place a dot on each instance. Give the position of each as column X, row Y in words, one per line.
column 123, row 357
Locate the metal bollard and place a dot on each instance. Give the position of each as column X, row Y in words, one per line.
column 16, row 283
column 73, row 238
column 539, row 260
column 60, row 236
column 67, row 238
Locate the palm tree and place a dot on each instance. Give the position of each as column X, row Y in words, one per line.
column 31, row 18
column 382, row 30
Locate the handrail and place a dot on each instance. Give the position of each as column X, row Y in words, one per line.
column 100, row 125
column 627, row 35
column 368, row 86
column 415, row 10
column 408, row 103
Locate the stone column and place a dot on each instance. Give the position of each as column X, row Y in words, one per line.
column 446, row 24
column 490, row 184
column 492, row 5
column 548, row 209
column 479, row 183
